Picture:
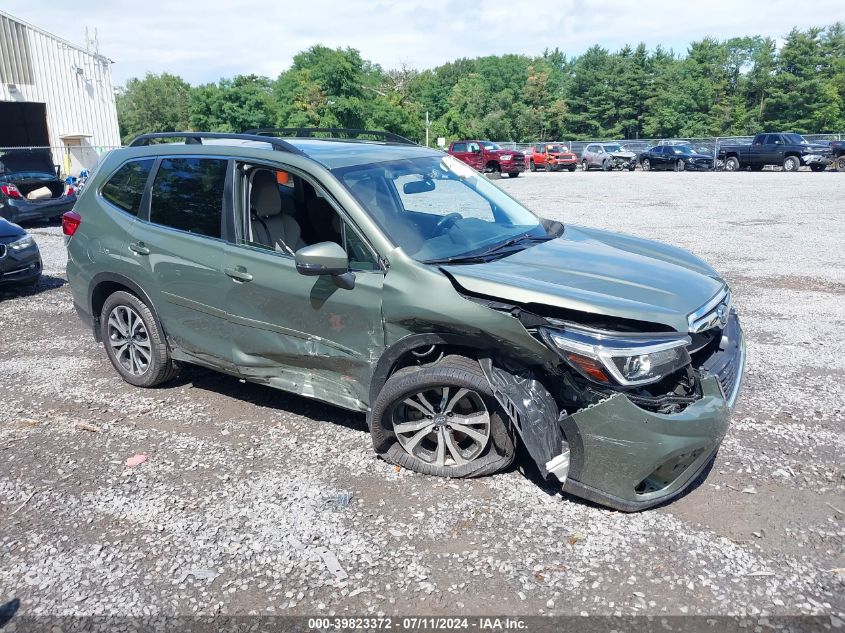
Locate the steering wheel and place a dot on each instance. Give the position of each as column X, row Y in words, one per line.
column 446, row 222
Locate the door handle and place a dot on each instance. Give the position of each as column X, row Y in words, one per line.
column 139, row 247
column 238, row 273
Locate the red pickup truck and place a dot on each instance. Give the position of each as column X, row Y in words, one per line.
column 487, row 157
column 551, row 157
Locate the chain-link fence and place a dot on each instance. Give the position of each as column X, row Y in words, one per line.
column 68, row 160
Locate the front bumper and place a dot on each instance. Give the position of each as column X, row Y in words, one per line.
column 631, row 459
column 816, row 159
column 22, row 210
column 19, row 268
column 512, row 166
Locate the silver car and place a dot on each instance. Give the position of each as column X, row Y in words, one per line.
column 607, row 156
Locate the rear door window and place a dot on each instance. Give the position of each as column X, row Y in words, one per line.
column 459, row 147
column 187, row 194
column 126, row 186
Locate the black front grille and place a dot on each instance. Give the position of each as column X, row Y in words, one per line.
column 724, row 363
column 2, row 251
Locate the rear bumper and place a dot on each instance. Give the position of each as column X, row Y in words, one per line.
column 16, row 210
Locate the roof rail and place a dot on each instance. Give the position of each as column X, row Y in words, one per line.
column 195, row 138
column 338, row 132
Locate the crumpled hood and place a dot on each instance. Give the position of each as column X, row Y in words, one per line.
column 627, row 155
column 599, row 272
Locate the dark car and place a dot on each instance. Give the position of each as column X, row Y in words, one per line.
column 786, row 149
column 674, row 157
column 837, row 149
column 20, row 259
column 25, row 171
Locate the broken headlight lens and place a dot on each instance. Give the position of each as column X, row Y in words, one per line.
column 626, row 359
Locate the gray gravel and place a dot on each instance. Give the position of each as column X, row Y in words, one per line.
column 229, row 513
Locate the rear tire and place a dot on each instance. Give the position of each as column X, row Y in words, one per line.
column 134, row 342
column 572, row 168
column 818, row 167
column 419, row 404
column 585, row 165
column 791, row 163
column 532, row 166
column 513, row 174
column 680, row 166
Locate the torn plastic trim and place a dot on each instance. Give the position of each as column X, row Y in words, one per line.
column 534, row 413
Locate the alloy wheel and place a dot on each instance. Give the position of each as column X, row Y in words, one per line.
column 129, row 340
column 443, row 426
column 646, row 165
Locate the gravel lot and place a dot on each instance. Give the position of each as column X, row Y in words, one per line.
column 229, row 513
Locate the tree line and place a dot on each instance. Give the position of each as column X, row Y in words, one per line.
column 737, row 86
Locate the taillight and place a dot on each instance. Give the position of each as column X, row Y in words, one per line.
column 70, row 190
column 10, row 191
column 70, row 222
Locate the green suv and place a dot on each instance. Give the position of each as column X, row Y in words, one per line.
column 366, row 271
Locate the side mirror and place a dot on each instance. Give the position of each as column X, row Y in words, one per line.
column 418, row 186
column 325, row 258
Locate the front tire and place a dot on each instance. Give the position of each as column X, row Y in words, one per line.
column 680, row 166
column 134, row 342
column 441, row 420
column 585, row 165
column 791, row 163
column 732, row 164
column 513, row 174
column 840, row 163
column 646, row 165
column 818, row 167
column 532, row 166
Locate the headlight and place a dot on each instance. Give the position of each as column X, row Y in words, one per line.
column 25, row 242
column 506, row 157
column 627, row 360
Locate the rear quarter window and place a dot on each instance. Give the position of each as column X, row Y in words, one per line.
column 126, row 186
column 187, row 194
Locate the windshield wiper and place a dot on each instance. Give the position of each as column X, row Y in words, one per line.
column 491, row 252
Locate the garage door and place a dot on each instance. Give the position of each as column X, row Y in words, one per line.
column 23, row 124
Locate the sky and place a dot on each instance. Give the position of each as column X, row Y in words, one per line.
column 204, row 41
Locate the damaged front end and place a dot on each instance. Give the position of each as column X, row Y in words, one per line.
column 623, row 160
column 627, row 419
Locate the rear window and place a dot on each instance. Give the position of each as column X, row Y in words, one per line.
column 126, row 187
column 187, row 194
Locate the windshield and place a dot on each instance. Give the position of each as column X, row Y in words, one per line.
column 795, row 139
column 437, row 208
column 682, row 149
column 612, row 148
column 489, row 145
column 558, row 148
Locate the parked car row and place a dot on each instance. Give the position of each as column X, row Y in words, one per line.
column 783, row 149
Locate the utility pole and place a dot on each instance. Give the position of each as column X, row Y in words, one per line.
column 427, row 124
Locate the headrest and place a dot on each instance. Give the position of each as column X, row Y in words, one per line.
column 264, row 196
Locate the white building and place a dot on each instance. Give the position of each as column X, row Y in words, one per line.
column 54, row 93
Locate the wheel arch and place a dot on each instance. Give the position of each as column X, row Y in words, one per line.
column 103, row 285
column 402, row 349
